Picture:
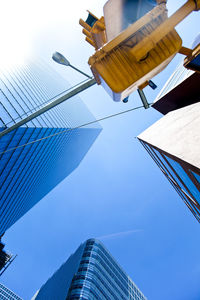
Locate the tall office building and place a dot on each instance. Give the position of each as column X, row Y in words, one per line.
column 174, row 141
column 90, row 273
column 28, row 169
column 6, row 294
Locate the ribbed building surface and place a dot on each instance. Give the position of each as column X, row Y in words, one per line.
column 6, row 294
column 90, row 273
column 28, row 169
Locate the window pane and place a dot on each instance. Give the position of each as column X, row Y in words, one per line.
column 185, row 178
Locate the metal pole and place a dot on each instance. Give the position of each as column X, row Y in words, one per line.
column 80, row 71
column 52, row 104
column 143, row 98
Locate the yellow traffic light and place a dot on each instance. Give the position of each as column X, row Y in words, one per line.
column 126, row 59
column 94, row 29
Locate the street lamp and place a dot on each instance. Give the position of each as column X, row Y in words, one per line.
column 60, row 59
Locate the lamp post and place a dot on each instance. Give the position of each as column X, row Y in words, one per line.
column 59, row 58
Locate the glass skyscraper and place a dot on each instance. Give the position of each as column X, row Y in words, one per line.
column 6, row 294
column 174, row 141
column 90, row 273
column 28, row 169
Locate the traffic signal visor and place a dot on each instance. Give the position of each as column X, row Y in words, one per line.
column 193, row 61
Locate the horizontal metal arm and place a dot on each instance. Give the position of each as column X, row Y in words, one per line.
column 50, row 105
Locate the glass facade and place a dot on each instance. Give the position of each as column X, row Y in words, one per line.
column 90, row 273
column 179, row 75
column 28, row 169
column 6, row 294
column 181, row 90
column 183, row 177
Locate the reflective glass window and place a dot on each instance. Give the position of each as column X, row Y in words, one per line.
column 185, row 178
column 197, row 176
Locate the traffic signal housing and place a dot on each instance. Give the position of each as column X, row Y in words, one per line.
column 128, row 57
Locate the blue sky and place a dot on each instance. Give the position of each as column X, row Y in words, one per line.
column 117, row 192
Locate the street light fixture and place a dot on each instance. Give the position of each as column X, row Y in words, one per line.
column 61, row 59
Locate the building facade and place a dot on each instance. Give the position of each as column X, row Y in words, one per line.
column 4, row 257
column 6, row 294
column 39, row 155
column 174, row 141
column 90, row 273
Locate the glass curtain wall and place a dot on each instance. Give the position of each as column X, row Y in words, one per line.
column 184, row 177
column 37, row 156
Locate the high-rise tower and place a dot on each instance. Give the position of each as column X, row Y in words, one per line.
column 90, row 273
column 6, row 294
column 174, row 141
column 32, row 161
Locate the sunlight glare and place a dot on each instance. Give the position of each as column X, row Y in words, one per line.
column 15, row 35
